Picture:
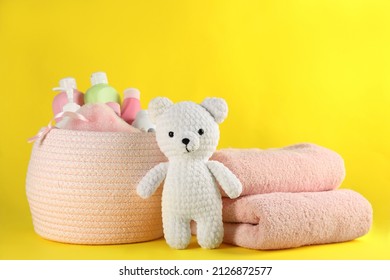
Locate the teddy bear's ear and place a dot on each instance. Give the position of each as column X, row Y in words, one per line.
column 157, row 106
column 217, row 107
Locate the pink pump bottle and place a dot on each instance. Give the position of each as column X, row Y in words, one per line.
column 131, row 105
column 61, row 99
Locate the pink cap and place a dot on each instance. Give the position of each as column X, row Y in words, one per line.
column 131, row 93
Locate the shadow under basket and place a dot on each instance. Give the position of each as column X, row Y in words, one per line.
column 81, row 187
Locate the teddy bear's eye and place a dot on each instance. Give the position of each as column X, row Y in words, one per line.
column 200, row 131
column 171, row 134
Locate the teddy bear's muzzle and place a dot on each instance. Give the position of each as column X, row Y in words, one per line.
column 191, row 142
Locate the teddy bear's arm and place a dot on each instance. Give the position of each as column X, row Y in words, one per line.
column 228, row 181
column 152, row 180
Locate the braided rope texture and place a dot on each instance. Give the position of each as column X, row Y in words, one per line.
column 81, row 187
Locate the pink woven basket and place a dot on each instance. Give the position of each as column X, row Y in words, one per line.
column 81, row 187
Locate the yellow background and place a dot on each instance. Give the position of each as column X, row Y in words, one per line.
column 291, row 71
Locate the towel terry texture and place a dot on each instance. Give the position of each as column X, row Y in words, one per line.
column 297, row 168
column 289, row 199
column 100, row 118
column 288, row 220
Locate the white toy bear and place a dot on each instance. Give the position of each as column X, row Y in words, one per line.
column 188, row 134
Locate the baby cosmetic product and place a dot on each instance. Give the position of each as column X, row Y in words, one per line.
column 102, row 92
column 131, row 105
column 69, row 99
column 143, row 122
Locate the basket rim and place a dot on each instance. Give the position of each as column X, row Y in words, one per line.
column 62, row 131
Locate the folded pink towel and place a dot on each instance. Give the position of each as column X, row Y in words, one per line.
column 297, row 168
column 288, row 220
column 100, row 117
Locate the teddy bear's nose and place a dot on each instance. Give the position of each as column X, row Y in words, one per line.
column 185, row 141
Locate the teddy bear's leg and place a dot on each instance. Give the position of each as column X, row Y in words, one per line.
column 210, row 231
column 177, row 231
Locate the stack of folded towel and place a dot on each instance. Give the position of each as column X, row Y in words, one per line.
column 289, row 199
